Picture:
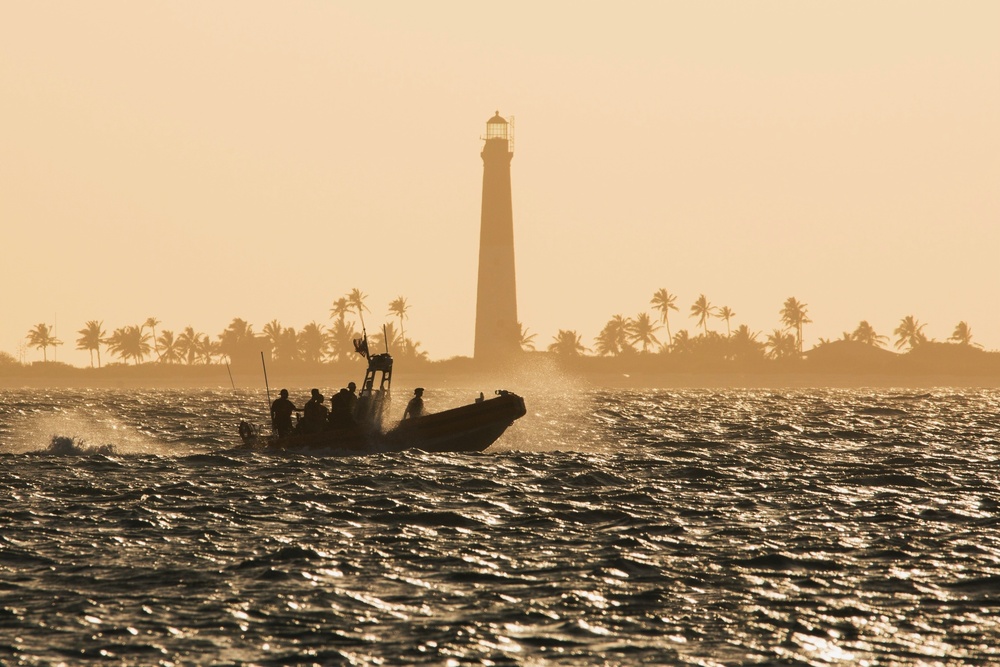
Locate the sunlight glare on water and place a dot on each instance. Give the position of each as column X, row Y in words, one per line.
column 698, row 527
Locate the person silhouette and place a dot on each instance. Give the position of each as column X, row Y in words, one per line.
column 415, row 407
column 281, row 414
column 343, row 405
column 315, row 411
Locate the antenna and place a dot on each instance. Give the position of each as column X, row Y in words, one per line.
column 229, row 370
column 266, row 385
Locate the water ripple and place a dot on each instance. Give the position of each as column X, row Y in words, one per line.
column 687, row 527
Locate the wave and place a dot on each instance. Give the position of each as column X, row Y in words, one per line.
column 679, row 520
column 779, row 561
column 62, row 445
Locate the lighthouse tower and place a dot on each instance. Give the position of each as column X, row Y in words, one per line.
column 498, row 334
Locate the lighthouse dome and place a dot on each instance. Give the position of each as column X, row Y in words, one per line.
column 498, row 128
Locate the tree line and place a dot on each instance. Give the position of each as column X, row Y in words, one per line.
column 313, row 343
column 626, row 335
column 621, row 335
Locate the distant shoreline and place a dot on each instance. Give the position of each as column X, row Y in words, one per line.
column 976, row 369
column 708, row 381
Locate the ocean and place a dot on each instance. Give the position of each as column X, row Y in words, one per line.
column 689, row 527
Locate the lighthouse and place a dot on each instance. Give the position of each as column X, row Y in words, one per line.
column 498, row 334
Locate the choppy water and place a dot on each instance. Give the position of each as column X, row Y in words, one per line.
column 684, row 527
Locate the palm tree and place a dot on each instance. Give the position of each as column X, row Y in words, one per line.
column 398, row 307
column 605, row 342
column 91, row 338
column 357, row 300
column 340, row 308
column 726, row 313
column 171, row 353
column 207, row 349
column 621, row 326
column 313, row 342
column 682, row 342
column 780, row 345
column 151, row 322
column 188, row 345
column 129, row 342
column 527, row 340
column 286, row 347
column 963, row 335
column 793, row 315
column 744, row 344
column 342, row 335
column 116, row 344
column 865, row 333
column 404, row 346
column 567, row 344
column 272, row 332
column 41, row 338
column 702, row 309
column 664, row 302
column 614, row 337
column 910, row 332
column 237, row 335
column 643, row 331
column 135, row 343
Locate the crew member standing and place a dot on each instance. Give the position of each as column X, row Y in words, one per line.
column 415, row 407
column 281, row 414
column 314, row 413
column 342, row 407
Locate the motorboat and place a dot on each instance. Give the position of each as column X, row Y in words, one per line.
column 467, row 428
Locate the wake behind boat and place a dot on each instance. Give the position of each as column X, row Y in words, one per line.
column 468, row 428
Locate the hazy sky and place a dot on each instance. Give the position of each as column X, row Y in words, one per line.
column 199, row 161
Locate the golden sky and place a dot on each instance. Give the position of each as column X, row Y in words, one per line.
column 200, row 161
